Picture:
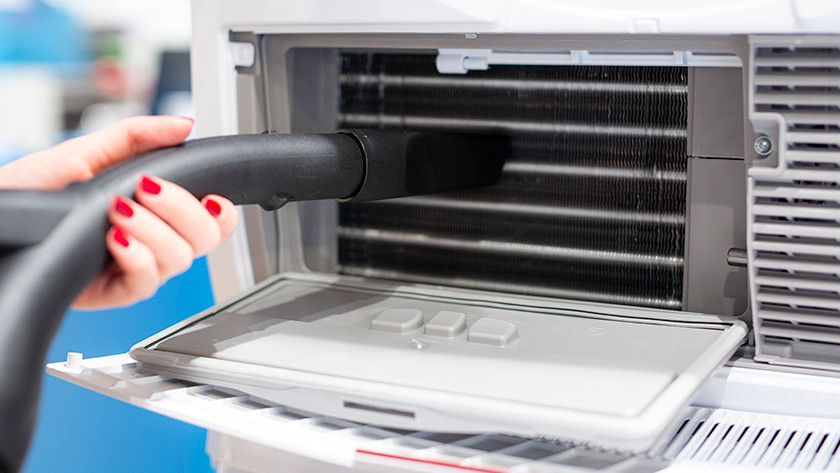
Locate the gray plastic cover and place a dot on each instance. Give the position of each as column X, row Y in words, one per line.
column 366, row 351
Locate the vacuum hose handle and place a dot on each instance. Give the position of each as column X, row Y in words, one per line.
column 52, row 244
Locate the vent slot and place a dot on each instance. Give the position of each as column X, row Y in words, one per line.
column 794, row 215
column 590, row 206
column 378, row 409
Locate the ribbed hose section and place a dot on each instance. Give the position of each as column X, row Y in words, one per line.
column 591, row 203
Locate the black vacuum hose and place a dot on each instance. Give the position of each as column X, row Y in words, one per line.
column 52, row 243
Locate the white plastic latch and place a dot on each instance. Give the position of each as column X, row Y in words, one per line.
column 242, row 54
column 74, row 361
column 459, row 61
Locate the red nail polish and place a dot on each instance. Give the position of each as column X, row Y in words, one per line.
column 120, row 238
column 149, row 185
column 213, row 207
column 121, row 206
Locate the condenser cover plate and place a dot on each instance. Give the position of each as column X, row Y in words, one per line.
column 427, row 358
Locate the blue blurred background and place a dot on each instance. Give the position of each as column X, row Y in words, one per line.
column 81, row 431
column 68, row 67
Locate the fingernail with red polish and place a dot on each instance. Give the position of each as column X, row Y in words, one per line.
column 121, row 206
column 120, row 238
column 149, row 185
column 213, row 207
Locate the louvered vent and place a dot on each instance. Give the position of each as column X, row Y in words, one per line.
column 747, row 439
column 591, row 204
column 795, row 207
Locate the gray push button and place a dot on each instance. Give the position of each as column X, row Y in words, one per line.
column 446, row 323
column 491, row 332
column 398, row 320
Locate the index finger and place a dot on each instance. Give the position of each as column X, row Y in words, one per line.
column 81, row 158
column 127, row 138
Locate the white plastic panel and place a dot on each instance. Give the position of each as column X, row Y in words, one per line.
column 794, row 203
column 249, row 434
column 527, row 16
column 528, row 366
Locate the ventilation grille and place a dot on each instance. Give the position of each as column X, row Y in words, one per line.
column 701, row 436
column 746, row 439
column 795, row 208
column 590, row 206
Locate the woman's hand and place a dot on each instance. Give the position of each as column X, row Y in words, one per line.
column 153, row 238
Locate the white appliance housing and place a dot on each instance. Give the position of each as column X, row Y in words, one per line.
column 759, row 87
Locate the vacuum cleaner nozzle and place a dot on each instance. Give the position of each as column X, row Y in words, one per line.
column 404, row 163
